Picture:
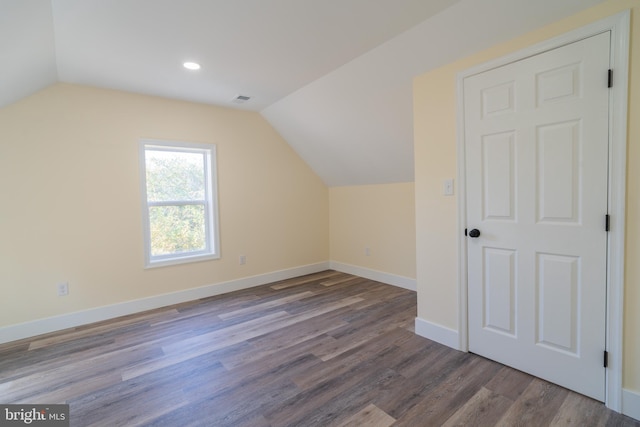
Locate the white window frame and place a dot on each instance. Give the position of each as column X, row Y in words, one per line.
column 210, row 203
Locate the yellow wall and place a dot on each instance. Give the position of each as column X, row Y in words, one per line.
column 435, row 159
column 71, row 209
column 378, row 217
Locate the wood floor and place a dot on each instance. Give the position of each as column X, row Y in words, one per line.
column 328, row 349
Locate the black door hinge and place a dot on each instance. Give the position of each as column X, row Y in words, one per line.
column 606, row 359
column 610, row 78
column 607, row 222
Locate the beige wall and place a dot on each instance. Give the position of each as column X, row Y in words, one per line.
column 71, row 208
column 435, row 159
column 378, row 217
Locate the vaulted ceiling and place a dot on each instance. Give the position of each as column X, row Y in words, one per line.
column 334, row 77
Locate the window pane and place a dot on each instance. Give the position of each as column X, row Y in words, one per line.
column 176, row 176
column 177, row 229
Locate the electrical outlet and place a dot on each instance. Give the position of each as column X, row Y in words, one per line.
column 242, row 260
column 63, row 289
column 367, row 251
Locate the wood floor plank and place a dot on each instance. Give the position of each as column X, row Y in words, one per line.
column 619, row 420
column 371, row 416
column 317, row 277
column 256, row 308
column 323, row 297
column 184, row 350
column 348, row 364
column 296, row 336
column 537, row 406
column 181, row 351
column 347, row 343
column 425, row 356
column 325, row 349
column 427, row 375
column 327, row 402
column 510, row 383
column 338, row 280
column 580, row 411
column 212, row 305
column 108, row 328
column 118, row 403
column 484, row 409
column 443, row 401
column 72, row 376
column 234, row 398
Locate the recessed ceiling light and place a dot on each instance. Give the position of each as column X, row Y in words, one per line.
column 191, row 65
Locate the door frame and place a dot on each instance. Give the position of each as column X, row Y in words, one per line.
column 618, row 25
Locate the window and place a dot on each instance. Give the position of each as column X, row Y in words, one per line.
column 179, row 202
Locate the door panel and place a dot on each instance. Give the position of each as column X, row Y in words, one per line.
column 536, row 142
column 558, row 177
column 558, row 84
column 499, row 290
column 557, row 291
column 498, row 166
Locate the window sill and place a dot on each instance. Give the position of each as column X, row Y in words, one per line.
column 181, row 260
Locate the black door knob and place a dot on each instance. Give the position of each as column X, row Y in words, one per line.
column 474, row 233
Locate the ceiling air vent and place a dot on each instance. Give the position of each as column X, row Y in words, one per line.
column 241, row 99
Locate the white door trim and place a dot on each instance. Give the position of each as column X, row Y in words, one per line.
column 619, row 26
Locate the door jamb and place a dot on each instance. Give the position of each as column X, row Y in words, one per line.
column 618, row 25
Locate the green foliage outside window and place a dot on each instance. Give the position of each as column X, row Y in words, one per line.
column 176, row 177
column 176, row 229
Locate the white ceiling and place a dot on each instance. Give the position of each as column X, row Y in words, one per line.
column 334, row 77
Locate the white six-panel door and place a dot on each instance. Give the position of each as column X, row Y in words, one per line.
column 536, row 141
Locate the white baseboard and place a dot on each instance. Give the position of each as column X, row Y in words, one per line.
column 378, row 276
column 631, row 403
column 438, row 333
column 70, row 320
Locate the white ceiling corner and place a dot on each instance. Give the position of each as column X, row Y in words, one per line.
column 27, row 49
